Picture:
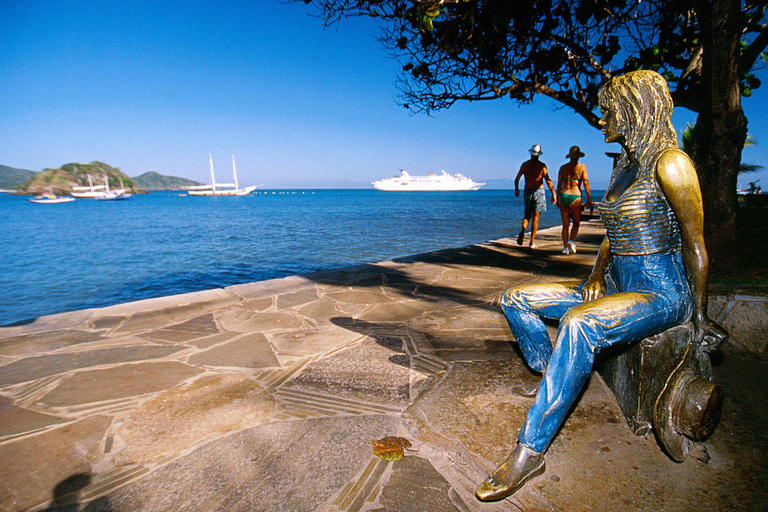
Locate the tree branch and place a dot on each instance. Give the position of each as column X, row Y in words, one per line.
column 755, row 48
column 584, row 54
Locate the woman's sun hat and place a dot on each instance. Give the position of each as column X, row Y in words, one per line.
column 574, row 152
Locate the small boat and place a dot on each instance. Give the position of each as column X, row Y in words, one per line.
column 101, row 192
column 51, row 199
column 431, row 183
column 117, row 195
column 90, row 192
column 113, row 196
column 220, row 189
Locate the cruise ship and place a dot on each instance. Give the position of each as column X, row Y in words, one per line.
column 432, row 183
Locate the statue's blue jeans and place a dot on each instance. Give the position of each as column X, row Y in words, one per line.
column 645, row 295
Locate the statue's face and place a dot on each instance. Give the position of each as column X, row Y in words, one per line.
column 610, row 125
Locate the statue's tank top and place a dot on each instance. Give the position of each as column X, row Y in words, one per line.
column 640, row 221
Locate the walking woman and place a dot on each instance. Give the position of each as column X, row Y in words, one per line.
column 569, row 181
column 650, row 274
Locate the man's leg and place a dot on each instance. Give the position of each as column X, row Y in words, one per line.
column 534, row 226
column 521, row 235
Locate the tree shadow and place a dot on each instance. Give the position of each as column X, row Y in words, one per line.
column 495, row 255
column 391, row 335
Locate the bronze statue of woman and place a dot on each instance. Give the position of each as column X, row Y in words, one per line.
column 650, row 274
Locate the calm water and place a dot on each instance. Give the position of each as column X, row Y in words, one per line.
column 88, row 253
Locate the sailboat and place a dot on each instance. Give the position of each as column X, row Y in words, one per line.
column 100, row 191
column 220, row 189
column 114, row 195
column 90, row 192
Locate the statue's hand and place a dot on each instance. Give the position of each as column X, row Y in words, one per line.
column 517, row 192
column 594, row 288
column 708, row 334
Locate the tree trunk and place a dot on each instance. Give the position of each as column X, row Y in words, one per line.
column 721, row 128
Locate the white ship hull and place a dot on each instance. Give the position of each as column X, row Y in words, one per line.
column 222, row 192
column 220, row 189
column 432, row 183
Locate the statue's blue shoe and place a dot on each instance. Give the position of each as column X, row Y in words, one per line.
column 521, row 465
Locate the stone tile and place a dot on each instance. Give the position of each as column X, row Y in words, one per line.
column 198, row 327
column 321, row 310
column 33, row 368
column 238, row 319
column 270, row 288
column 258, row 304
column 374, row 371
column 126, row 380
column 746, row 321
column 46, row 342
column 72, row 320
column 312, row 340
column 106, row 322
column 209, row 341
column 416, row 486
column 170, row 310
column 363, row 275
column 204, row 324
column 293, row 466
column 391, row 312
column 473, row 404
column 359, row 296
column 298, row 298
column 15, row 420
column 180, row 418
column 31, row 467
column 372, row 329
column 483, row 342
column 463, row 325
column 173, row 304
column 247, row 351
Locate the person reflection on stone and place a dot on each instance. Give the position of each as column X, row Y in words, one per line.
column 650, row 273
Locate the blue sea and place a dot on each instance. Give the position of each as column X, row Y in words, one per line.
column 87, row 253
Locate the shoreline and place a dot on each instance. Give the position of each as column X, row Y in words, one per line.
column 200, row 294
column 742, row 310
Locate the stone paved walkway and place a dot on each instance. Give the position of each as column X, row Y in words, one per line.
column 266, row 397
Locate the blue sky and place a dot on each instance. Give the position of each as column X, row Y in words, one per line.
column 156, row 86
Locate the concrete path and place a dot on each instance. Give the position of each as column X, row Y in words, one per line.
column 267, row 397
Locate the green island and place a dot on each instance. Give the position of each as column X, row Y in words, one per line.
column 62, row 180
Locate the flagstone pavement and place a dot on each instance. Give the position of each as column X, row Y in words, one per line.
column 267, row 396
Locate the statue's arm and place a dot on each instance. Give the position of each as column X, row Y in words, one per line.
column 594, row 287
column 678, row 181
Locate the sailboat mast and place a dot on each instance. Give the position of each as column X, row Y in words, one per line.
column 213, row 180
column 234, row 172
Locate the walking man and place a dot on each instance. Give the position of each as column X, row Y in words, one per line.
column 534, row 197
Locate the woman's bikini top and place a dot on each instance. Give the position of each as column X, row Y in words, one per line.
column 640, row 221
